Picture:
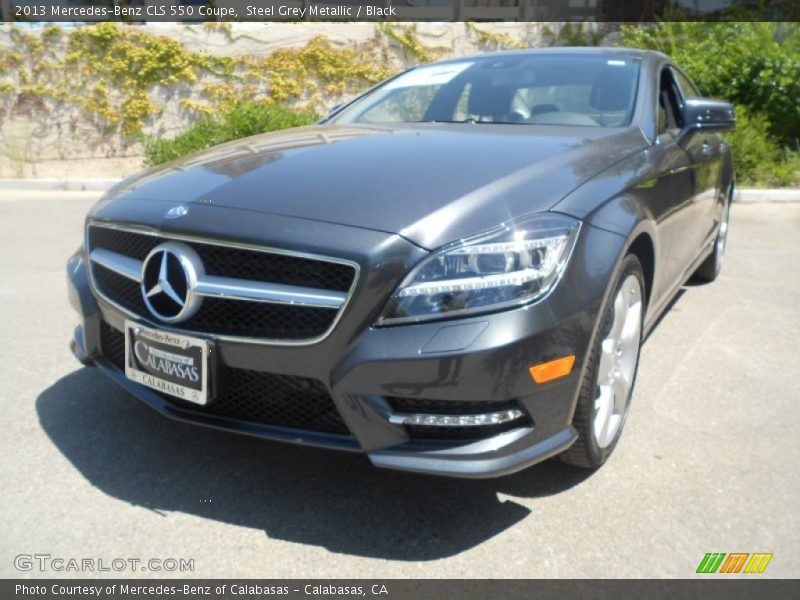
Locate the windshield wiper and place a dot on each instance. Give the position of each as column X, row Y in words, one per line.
column 470, row 120
column 473, row 121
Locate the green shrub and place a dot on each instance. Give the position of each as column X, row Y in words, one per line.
column 754, row 65
column 236, row 120
column 758, row 157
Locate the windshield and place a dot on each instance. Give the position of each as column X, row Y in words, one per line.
column 588, row 90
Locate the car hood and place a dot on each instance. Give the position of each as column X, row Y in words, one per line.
column 431, row 183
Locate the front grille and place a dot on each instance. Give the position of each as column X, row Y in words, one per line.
column 260, row 319
column 253, row 396
column 123, row 242
column 411, row 406
column 224, row 316
column 121, row 290
column 229, row 261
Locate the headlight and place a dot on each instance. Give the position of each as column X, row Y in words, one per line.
column 507, row 267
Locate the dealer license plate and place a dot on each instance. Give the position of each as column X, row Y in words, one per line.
column 174, row 364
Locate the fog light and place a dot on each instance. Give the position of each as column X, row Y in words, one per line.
column 476, row 420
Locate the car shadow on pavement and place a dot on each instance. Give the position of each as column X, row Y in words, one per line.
column 667, row 310
column 331, row 499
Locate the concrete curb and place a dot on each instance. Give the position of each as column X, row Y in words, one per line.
column 57, row 184
column 743, row 194
column 771, row 195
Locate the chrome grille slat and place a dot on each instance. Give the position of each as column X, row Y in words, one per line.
column 225, row 287
column 278, row 293
column 227, row 297
column 122, row 265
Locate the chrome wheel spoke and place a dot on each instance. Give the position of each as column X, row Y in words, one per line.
column 630, row 330
column 620, row 311
column 604, row 407
column 606, row 361
column 627, row 370
column 612, row 425
column 620, row 389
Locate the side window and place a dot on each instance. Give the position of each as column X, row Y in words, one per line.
column 669, row 103
column 662, row 115
column 687, row 86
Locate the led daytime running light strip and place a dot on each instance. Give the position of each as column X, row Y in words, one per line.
column 494, row 418
column 515, row 246
column 473, row 283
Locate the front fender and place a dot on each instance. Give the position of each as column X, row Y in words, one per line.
column 620, row 200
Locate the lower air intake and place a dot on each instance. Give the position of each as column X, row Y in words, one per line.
column 253, row 396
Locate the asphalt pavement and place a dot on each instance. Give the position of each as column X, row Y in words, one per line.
column 709, row 460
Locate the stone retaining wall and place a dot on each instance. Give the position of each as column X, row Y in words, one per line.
column 40, row 137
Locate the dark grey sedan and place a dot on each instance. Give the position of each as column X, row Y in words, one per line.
column 452, row 274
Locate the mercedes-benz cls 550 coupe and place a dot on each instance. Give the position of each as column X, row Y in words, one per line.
column 452, row 274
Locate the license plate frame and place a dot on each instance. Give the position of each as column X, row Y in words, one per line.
column 167, row 361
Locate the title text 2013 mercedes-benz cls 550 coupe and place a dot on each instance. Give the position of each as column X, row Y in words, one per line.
column 453, row 273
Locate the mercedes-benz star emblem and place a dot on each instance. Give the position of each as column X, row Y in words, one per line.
column 169, row 275
column 177, row 211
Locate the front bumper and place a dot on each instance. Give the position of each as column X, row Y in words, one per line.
column 484, row 358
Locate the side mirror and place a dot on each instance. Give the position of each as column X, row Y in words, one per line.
column 706, row 115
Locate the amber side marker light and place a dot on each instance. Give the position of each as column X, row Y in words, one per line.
column 560, row 367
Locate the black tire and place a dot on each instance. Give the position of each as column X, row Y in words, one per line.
column 586, row 452
column 711, row 267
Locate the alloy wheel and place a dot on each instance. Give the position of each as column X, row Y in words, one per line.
column 619, row 354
